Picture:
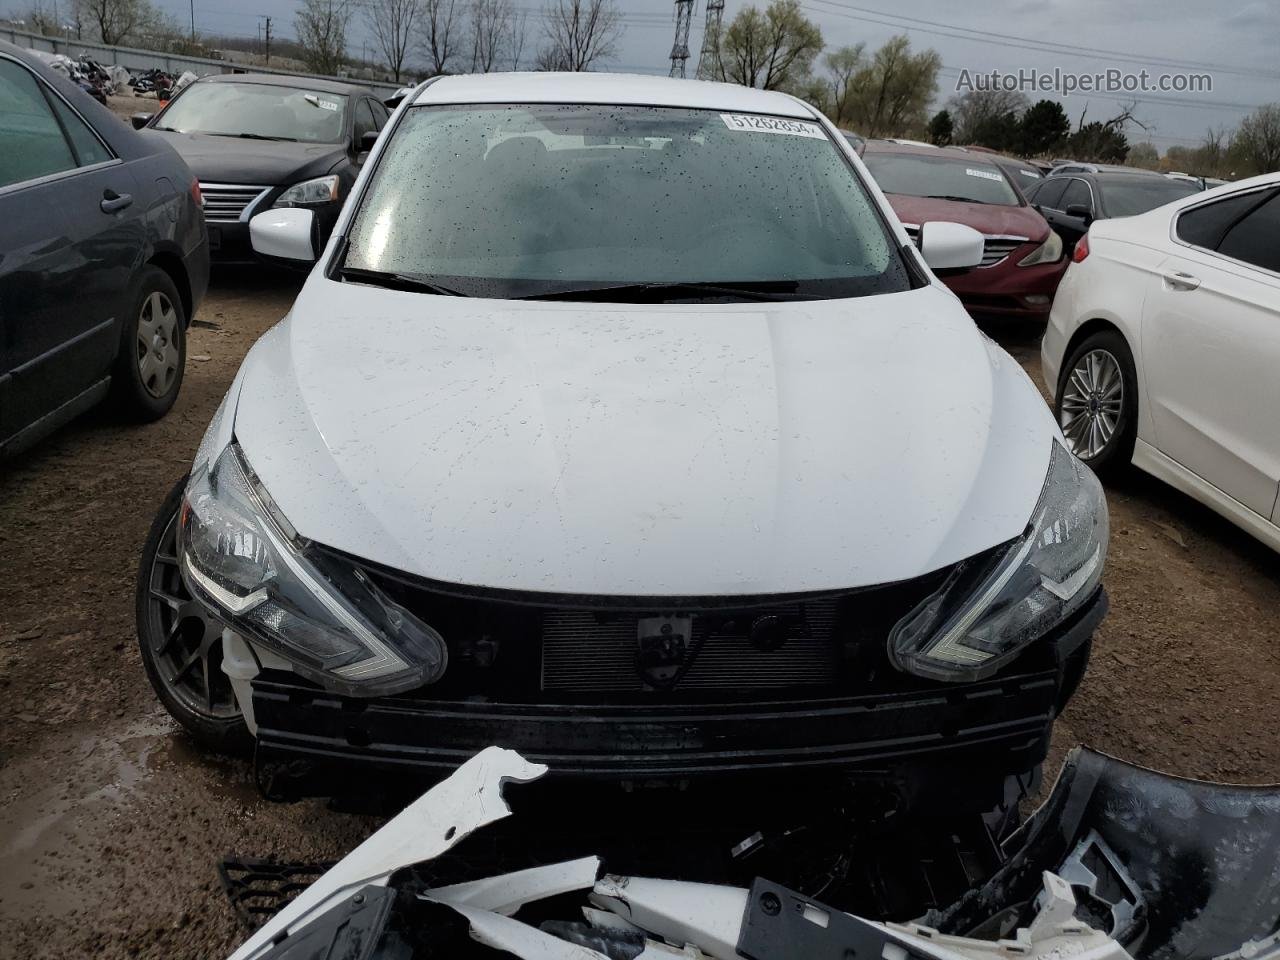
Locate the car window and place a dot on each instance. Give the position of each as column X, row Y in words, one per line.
column 1256, row 238
column 261, row 111
column 89, row 149
column 948, row 178
column 31, row 142
column 1077, row 191
column 1127, row 195
column 1205, row 226
column 521, row 200
column 1048, row 193
column 365, row 122
column 380, row 114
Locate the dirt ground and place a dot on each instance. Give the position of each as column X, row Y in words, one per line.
column 111, row 823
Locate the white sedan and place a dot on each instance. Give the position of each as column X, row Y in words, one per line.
column 620, row 422
column 1163, row 349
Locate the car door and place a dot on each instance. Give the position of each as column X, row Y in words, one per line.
column 68, row 248
column 1211, row 346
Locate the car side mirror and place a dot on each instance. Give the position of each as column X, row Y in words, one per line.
column 950, row 246
column 1081, row 212
column 367, row 140
column 287, row 233
column 140, row 120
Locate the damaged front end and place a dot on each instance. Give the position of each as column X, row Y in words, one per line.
column 1119, row 862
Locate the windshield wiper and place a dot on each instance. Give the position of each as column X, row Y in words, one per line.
column 623, row 290
column 397, row 281
column 946, row 196
column 254, row 136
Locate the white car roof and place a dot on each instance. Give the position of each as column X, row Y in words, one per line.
column 613, row 88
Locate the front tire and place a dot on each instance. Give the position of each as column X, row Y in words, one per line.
column 181, row 645
column 1097, row 403
column 153, row 348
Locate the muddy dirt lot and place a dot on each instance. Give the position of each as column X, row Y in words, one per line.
column 111, row 823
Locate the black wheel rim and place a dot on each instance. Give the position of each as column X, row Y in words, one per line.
column 184, row 642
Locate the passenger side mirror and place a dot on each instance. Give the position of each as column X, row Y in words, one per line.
column 140, row 120
column 950, row 246
column 1081, row 212
column 367, row 140
column 284, row 234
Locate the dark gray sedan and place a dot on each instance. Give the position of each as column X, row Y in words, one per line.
column 103, row 257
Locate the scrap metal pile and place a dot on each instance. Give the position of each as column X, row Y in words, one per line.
column 100, row 80
column 1119, row 863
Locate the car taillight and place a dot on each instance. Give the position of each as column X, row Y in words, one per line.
column 1082, row 249
column 196, row 195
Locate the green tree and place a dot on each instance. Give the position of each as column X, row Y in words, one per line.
column 941, row 128
column 1099, row 142
column 1000, row 131
column 890, row 96
column 1045, row 127
column 772, row 50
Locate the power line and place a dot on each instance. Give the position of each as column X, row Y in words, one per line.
column 973, row 35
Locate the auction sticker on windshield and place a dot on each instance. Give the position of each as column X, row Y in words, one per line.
column 751, row 123
column 984, row 174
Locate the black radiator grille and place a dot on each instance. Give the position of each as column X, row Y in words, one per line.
column 583, row 652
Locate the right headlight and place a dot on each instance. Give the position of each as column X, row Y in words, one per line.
column 243, row 560
column 987, row 611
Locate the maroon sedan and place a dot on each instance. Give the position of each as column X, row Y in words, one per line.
column 1023, row 259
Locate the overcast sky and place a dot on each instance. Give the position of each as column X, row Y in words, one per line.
column 1145, row 32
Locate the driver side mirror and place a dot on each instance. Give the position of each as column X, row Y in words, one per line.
column 950, row 246
column 140, row 120
column 286, row 234
column 1081, row 212
column 367, row 140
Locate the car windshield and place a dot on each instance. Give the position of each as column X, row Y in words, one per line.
column 548, row 200
column 1128, row 196
column 947, row 178
column 257, row 111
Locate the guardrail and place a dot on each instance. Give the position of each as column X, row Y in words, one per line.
column 139, row 61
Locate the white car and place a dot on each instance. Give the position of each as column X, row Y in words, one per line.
column 619, row 422
column 1163, row 349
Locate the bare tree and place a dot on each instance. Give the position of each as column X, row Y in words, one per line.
column 1257, row 142
column 842, row 65
column 115, row 19
column 975, row 110
column 322, row 33
column 516, row 37
column 488, row 22
column 579, row 33
column 392, row 24
column 442, row 28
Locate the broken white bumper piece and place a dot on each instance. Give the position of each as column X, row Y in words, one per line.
column 632, row 918
column 469, row 799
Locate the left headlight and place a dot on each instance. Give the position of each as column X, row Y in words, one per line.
column 987, row 611
column 310, row 192
column 242, row 559
column 1048, row 252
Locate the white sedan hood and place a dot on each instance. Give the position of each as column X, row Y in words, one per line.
column 639, row 450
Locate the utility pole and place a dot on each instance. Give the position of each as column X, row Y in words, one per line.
column 193, row 21
column 709, row 57
column 265, row 26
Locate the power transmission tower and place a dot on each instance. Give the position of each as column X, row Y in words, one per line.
column 680, row 49
column 709, row 56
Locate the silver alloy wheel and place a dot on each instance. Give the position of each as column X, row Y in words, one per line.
column 158, row 356
column 1092, row 403
column 185, row 643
